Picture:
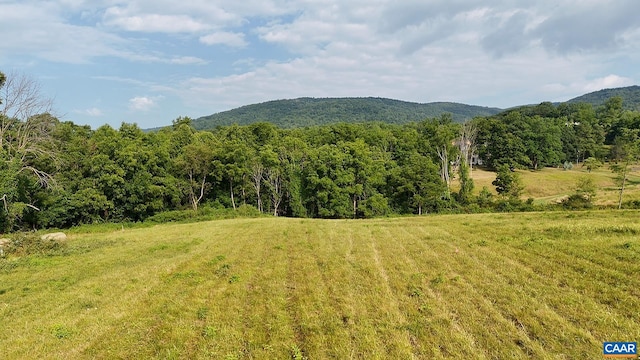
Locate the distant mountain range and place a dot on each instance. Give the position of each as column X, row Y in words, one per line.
column 320, row 111
column 303, row 112
column 630, row 97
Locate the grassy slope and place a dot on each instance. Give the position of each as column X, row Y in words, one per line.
column 531, row 285
column 550, row 185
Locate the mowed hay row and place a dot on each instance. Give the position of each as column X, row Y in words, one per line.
column 487, row 286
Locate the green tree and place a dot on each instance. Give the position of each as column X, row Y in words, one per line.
column 584, row 195
column 274, row 176
column 627, row 146
column 465, row 193
column 499, row 145
column 326, row 183
column 292, row 154
column 507, row 182
column 592, row 163
column 27, row 152
column 364, row 165
column 610, row 115
column 417, row 182
column 196, row 163
column 233, row 160
column 586, row 188
column 439, row 134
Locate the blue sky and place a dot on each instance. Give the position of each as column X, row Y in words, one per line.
column 150, row 61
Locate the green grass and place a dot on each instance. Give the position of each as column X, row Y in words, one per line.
column 551, row 185
column 486, row 286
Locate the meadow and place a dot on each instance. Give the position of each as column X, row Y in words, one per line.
column 484, row 286
column 551, row 185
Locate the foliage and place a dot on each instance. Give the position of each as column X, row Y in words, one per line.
column 576, row 202
column 586, row 188
column 592, row 163
column 508, row 182
column 28, row 243
column 584, row 195
column 304, row 112
column 27, row 154
column 58, row 174
column 466, row 185
column 630, row 95
column 628, row 150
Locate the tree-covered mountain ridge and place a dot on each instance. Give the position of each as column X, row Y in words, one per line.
column 630, row 97
column 308, row 111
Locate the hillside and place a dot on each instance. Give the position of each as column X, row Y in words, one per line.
column 630, row 97
column 312, row 111
column 485, row 286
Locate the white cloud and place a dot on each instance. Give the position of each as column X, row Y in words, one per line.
column 495, row 52
column 39, row 30
column 188, row 60
column 92, row 112
column 142, row 103
column 609, row 81
column 225, row 38
column 117, row 17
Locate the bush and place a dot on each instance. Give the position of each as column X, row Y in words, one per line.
column 567, row 165
column 205, row 213
column 592, row 163
column 30, row 243
column 172, row 216
column 576, row 202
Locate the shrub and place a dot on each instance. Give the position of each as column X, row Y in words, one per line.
column 31, row 243
column 567, row 165
column 576, row 202
column 592, row 163
column 205, row 213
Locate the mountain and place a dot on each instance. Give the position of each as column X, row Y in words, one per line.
column 319, row 111
column 630, row 97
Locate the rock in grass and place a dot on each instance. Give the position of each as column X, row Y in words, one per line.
column 4, row 242
column 58, row 237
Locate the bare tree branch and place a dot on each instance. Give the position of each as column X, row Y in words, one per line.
column 22, row 97
column 467, row 143
column 26, row 126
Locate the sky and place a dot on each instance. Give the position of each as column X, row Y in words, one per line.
column 151, row 61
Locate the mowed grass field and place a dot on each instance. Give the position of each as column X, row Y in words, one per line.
column 485, row 286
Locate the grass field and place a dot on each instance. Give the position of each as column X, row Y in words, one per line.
column 551, row 185
column 486, row 286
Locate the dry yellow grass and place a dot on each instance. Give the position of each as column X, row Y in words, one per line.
column 485, row 286
column 550, row 185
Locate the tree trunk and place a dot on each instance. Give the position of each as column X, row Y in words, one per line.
column 274, row 181
column 444, row 164
column 355, row 206
column 624, row 178
column 233, row 201
column 196, row 200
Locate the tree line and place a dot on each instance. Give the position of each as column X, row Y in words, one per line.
column 58, row 174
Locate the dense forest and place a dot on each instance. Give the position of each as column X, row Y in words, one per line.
column 630, row 97
column 59, row 174
column 311, row 112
